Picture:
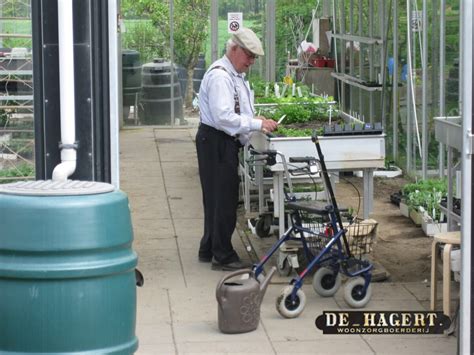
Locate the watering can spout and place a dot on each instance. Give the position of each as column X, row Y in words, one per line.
column 266, row 281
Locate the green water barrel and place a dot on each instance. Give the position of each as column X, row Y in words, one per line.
column 67, row 279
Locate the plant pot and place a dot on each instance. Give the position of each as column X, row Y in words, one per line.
column 404, row 210
column 431, row 227
column 416, row 217
column 319, row 62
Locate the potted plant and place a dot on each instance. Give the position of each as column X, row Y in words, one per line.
column 423, row 199
column 404, row 193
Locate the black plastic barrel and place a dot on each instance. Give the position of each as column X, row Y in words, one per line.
column 67, row 269
column 131, row 79
column 199, row 72
column 183, row 80
column 155, row 107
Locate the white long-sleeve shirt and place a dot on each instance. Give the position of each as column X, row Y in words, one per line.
column 217, row 105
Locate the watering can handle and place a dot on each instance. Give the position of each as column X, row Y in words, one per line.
column 230, row 275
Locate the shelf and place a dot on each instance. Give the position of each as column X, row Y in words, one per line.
column 16, row 18
column 16, row 98
column 299, row 67
column 15, row 72
column 15, row 35
column 355, row 82
column 361, row 39
column 448, row 130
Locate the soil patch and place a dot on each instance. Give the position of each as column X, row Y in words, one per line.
column 401, row 247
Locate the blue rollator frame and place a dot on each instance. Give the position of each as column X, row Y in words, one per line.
column 332, row 249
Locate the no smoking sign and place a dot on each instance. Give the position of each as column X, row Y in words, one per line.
column 234, row 21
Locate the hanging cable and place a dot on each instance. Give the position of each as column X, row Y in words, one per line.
column 410, row 77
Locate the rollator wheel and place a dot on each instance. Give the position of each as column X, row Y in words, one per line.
column 288, row 308
column 326, row 281
column 263, row 226
column 354, row 294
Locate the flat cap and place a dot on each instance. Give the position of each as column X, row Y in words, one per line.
column 246, row 38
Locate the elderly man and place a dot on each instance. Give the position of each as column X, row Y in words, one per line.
column 227, row 119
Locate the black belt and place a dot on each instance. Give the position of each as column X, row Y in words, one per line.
column 207, row 128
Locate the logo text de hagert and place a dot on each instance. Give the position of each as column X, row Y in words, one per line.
column 382, row 322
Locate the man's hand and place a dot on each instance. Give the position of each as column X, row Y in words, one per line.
column 267, row 125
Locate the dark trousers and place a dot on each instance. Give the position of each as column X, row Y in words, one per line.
column 218, row 169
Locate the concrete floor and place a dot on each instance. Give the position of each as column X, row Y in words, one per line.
column 177, row 307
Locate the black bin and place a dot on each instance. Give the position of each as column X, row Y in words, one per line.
column 155, row 107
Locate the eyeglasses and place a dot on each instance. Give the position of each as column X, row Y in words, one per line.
column 249, row 54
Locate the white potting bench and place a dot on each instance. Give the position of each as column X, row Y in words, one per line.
column 341, row 153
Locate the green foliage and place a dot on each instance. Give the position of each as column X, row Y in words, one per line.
column 10, row 175
column 263, row 89
column 297, row 109
column 294, row 113
column 426, row 195
column 190, row 21
column 15, row 8
column 293, row 132
column 143, row 37
column 16, row 26
column 425, row 185
column 249, row 7
column 293, row 18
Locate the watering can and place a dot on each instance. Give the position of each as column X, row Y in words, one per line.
column 239, row 300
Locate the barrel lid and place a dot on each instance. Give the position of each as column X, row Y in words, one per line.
column 158, row 65
column 56, row 188
column 130, row 52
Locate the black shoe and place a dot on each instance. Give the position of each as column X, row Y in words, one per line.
column 205, row 259
column 234, row 265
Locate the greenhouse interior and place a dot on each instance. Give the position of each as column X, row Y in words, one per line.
column 370, row 104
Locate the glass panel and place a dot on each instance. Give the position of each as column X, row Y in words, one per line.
column 16, row 92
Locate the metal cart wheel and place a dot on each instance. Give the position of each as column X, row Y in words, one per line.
column 290, row 308
column 354, row 294
column 326, row 281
